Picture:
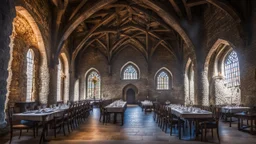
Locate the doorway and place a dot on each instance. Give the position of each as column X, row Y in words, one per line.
column 130, row 93
column 130, row 96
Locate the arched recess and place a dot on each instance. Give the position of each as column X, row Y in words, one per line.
column 38, row 44
column 129, row 63
column 189, row 83
column 215, row 85
column 65, row 61
column 88, row 72
column 130, row 86
column 169, row 73
column 76, row 90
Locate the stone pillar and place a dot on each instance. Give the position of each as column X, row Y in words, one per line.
column 202, row 85
column 81, row 87
column 7, row 13
column 72, row 81
column 52, row 98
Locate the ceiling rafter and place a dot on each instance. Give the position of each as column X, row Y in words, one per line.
column 80, row 45
column 81, row 4
column 188, row 10
column 176, row 8
column 192, row 3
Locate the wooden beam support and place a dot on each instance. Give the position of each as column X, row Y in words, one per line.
column 176, row 8
column 192, row 3
column 81, row 4
column 188, row 11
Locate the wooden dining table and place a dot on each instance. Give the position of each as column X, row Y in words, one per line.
column 230, row 111
column 195, row 116
column 247, row 116
column 117, row 107
column 43, row 117
column 146, row 105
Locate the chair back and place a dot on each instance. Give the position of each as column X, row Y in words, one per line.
column 10, row 116
column 216, row 113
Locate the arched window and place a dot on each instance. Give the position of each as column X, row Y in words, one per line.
column 60, row 76
column 232, row 71
column 30, row 74
column 130, row 73
column 93, row 83
column 163, row 81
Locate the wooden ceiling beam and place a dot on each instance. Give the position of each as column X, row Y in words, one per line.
column 176, row 8
column 188, row 10
column 88, row 35
column 81, row 4
column 192, row 3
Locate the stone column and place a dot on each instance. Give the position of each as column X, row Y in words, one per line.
column 202, row 85
column 52, row 98
column 81, row 87
column 72, row 81
column 7, row 13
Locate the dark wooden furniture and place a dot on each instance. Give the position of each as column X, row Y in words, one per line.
column 22, row 106
column 211, row 123
column 17, row 126
column 246, row 116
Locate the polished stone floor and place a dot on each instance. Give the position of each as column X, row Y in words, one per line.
column 138, row 128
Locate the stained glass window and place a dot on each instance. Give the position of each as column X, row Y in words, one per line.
column 30, row 74
column 130, row 73
column 93, row 85
column 59, row 80
column 232, row 71
column 162, row 81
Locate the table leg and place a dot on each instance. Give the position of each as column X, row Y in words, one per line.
column 251, row 129
column 190, row 128
column 114, row 117
column 43, row 139
column 238, row 124
column 230, row 120
column 122, row 115
column 179, row 126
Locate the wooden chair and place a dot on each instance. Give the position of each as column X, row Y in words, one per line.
column 17, row 126
column 173, row 121
column 59, row 122
column 212, row 123
column 104, row 115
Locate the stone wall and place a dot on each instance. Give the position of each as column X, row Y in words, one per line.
column 217, row 25
column 113, row 85
column 37, row 15
column 7, row 13
column 220, row 94
column 23, row 40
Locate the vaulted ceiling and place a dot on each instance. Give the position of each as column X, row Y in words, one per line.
column 111, row 25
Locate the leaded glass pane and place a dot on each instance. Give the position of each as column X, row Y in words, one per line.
column 232, row 71
column 30, row 74
column 93, row 85
column 163, row 81
column 130, row 73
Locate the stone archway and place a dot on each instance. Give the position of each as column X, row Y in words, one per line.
column 130, row 93
column 33, row 39
column 215, row 88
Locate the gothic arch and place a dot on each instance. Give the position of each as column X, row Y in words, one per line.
column 85, row 81
column 39, row 44
column 169, row 73
column 127, row 64
column 189, row 83
column 130, row 86
column 214, row 74
column 65, row 61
